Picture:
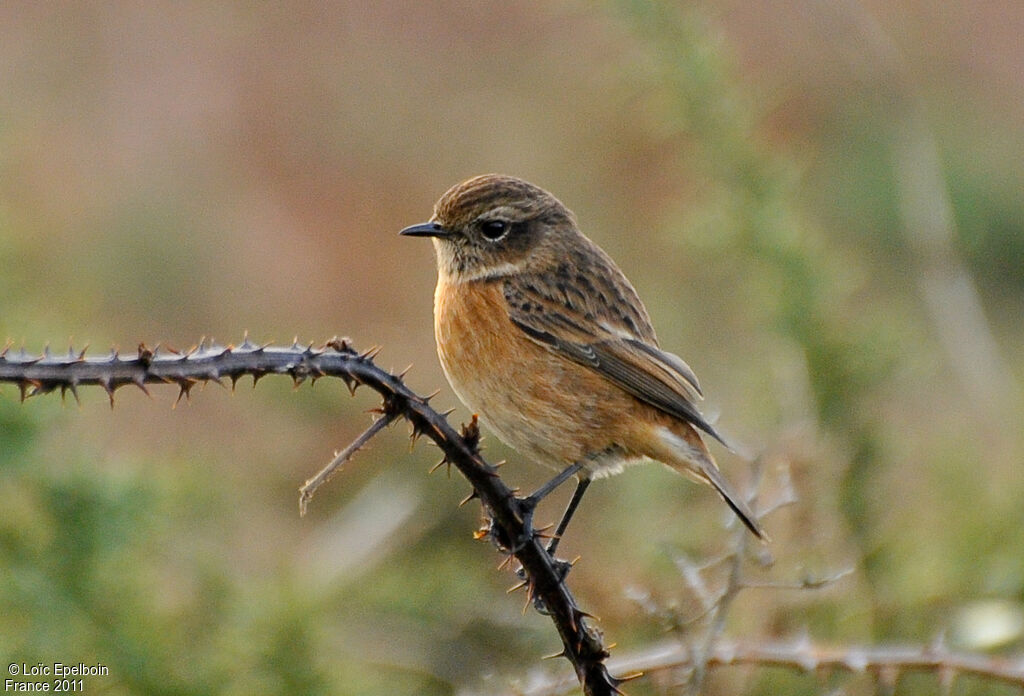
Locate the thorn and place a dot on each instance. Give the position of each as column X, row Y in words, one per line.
column 574, row 623
column 431, row 395
column 529, row 600
column 371, row 353
column 444, row 460
column 137, row 380
column 627, row 678
column 414, row 436
column 25, row 360
column 517, row 586
column 185, row 385
column 46, row 351
column 577, row 618
column 109, row 388
column 555, row 656
column 616, row 681
column 72, row 387
column 403, row 373
column 471, row 496
column 351, row 383
column 445, row 414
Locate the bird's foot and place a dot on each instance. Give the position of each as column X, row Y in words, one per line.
column 513, row 544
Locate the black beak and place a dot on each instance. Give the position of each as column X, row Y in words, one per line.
column 425, row 229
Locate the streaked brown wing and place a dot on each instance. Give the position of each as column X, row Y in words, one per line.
column 582, row 328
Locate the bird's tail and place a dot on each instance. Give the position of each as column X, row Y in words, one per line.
column 686, row 453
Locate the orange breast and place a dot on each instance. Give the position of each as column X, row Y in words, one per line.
column 545, row 406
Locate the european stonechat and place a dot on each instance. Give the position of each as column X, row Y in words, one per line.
column 541, row 334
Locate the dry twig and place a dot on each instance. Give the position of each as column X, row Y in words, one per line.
column 883, row 662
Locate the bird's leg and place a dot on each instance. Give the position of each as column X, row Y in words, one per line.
column 570, row 509
column 528, row 505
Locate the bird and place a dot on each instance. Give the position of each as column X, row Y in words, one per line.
column 541, row 334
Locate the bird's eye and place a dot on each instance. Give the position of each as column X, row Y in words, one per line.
column 494, row 229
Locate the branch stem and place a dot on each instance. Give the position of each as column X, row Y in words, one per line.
column 324, row 475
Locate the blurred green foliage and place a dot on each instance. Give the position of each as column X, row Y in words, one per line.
column 167, row 173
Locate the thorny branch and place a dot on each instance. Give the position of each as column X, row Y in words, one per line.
column 582, row 643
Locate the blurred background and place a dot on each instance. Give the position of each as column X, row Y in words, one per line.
column 820, row 203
